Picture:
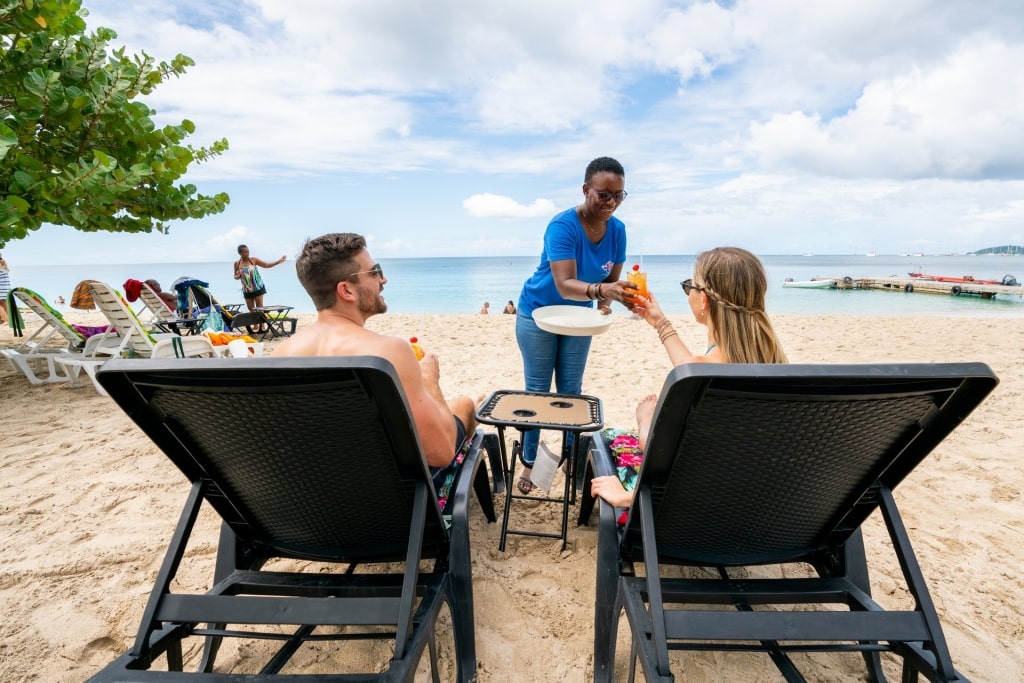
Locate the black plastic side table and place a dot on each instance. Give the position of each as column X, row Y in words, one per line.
column 526, row 410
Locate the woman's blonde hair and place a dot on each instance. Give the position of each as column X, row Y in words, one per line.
column 735, row 283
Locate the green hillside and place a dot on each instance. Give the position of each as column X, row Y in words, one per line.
column 1005, row 249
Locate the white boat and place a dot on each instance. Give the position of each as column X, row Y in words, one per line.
column 809, row 284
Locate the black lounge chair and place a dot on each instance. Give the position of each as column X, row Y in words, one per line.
column 769, row 464
column 330, row 471
column 250, row 323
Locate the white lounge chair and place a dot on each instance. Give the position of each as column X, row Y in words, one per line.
column 155, row 307
column 34, row 357
column 135, row 341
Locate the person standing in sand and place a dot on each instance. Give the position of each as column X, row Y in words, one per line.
column 247, row 271
column 346, row 287
column 726, row 294
column 5, row 288
column 584, row 249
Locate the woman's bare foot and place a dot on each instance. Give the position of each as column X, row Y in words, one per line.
column 645, row 409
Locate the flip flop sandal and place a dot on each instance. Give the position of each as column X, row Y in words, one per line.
column 525, row 486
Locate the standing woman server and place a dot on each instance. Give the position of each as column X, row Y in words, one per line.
column 584, row 249
column 247, row 270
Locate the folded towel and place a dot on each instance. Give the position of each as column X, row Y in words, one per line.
column 14, row 319
column 132, row 289
column 82, row 296
column 92, row 330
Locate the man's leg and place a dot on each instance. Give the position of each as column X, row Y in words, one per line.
column 464, row 408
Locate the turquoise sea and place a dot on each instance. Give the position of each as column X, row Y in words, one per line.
column 461, row 285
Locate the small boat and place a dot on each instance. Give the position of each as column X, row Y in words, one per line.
column 810, row 284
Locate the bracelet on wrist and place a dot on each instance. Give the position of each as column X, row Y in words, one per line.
column 600, row 294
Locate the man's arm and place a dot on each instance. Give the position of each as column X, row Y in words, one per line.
column 421, row 383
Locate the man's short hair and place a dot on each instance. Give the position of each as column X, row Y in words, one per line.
column 603, row 165
column 324, row 262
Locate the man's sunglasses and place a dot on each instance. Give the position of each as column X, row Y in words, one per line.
column 376, row 270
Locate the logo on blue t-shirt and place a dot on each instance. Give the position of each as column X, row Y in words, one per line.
column 607, row 267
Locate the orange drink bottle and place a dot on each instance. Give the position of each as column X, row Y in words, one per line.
column 415, row 343
column 638, row 278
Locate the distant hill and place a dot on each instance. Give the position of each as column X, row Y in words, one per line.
column 1005, row 249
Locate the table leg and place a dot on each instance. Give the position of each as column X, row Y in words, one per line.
column 567, row 487
column 508, row 468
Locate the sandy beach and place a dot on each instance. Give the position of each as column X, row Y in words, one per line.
column 88, row 505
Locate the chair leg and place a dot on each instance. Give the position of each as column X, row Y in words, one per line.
column 435, row 675
column 607, row 607
column 856, row 567
column 494, row 461
column 483, row 493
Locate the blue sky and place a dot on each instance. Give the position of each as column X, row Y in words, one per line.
column 459, row 128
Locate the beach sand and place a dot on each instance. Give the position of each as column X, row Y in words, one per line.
column 88, row 506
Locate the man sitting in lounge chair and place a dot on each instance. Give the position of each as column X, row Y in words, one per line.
column 170, row 298
column 345, row 285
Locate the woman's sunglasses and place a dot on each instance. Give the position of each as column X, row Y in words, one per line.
column 688, row 286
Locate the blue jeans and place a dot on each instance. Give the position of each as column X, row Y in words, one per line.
column 546, row 355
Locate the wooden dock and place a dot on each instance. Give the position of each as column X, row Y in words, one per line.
column 920, row 285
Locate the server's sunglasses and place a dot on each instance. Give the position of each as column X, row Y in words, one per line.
column 604, row 195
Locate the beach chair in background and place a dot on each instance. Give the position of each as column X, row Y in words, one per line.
column 131, row 337
column 752, row 465
column 161, row 316
column 252, row 323
column 156, row 308
column 343, row 494
column 200, row 299
column 35, row 357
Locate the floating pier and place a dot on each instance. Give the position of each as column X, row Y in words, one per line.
column 921, row 285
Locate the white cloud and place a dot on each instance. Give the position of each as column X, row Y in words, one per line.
column 963, row 118
column 768, row 123
column 496, row 206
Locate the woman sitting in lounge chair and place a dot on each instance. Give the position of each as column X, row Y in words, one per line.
column 726, row 295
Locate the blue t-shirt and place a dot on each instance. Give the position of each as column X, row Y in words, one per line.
column 566, row 239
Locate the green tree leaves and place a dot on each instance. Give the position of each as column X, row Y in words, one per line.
column 76, row 146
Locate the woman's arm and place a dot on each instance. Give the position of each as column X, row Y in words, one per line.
column 238, row 269
column 263, row 264
column 649, row 309
column 568, row 286
column 604, row 304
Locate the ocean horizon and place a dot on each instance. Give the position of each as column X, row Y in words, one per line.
column 442, row 285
